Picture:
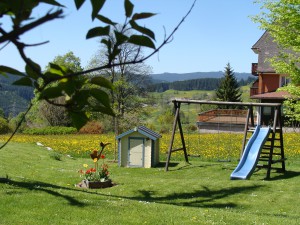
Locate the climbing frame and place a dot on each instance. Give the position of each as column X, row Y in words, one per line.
column 273, row 150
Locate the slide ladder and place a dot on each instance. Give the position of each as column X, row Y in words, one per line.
column 272, row 151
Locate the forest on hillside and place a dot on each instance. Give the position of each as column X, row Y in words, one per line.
column 207, row 84
column 13, row 99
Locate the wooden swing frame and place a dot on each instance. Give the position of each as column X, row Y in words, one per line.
column 249, row 125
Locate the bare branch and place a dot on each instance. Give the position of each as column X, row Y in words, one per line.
column 17, row 32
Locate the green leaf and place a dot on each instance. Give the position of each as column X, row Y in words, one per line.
column 79, row 119
column 120, row 37
column 108, row 45
column 33, row 72
column 139, row 16
column 102, row 109
column 52, row 92
column 97, row 6
column 101, row 81
column 52, row 76
column 141, row 41
column 81, row 99
column 101, row 96
column 128, row 8
column 98, row 31
column 79, row 3
column 105, row 20
column 5, row 69
column 58, row 69
column 143, row 30
column 106, row 42
column 68, row 86
column 24, row 81
column 114, row 53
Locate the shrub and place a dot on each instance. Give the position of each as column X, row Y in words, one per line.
column 13, row 123
column 57, row 156
column 51, row 130
column 4, row 128
column 192, row 127
column 92, row 127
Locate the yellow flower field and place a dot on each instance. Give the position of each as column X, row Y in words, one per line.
column 206, row 146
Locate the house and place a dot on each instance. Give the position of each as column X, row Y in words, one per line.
column 268, row 81
column 264, row 89
column 138, row 147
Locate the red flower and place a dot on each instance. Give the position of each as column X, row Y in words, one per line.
column 102, row 156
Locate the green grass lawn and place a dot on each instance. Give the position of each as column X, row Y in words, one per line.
column 37, row 189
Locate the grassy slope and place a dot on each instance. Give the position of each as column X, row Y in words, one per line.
column 40, row 190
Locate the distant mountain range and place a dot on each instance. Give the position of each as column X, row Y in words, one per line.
column 171, row 77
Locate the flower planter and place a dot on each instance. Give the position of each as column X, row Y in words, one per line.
column 95, row 184
column 99, row 184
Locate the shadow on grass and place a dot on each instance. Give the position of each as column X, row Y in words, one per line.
column 45, row 187
column 163, row 164
column 188, row 165
column 285, row 175
column 203, row 198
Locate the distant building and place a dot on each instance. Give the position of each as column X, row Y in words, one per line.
column 268, row 81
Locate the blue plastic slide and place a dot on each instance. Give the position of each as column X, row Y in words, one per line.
column 250, row 157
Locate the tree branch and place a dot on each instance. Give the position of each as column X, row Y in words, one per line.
column 17, row 32
column 111, row 64
column 18, row 126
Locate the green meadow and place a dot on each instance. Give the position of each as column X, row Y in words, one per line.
column 38, row 188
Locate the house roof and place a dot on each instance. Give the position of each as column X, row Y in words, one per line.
column 266, row 48
column 272, row 95
column 142, row 130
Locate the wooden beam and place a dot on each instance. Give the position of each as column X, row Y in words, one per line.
column 190, row 101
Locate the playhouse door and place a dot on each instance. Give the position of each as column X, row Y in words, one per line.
column 136, row 152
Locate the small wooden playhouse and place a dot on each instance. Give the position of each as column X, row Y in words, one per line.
column 138, row 147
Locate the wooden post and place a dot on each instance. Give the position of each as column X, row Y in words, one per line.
column 281, row 141
column 176, row 108
column 176, row 120
column 246, row 129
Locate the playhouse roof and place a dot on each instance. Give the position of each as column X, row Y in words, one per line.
column 142, row 130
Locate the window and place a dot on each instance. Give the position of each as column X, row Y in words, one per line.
column 284, row 80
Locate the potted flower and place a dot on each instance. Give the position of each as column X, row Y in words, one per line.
column 97, row 176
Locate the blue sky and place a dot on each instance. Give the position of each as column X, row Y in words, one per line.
column 215, row 33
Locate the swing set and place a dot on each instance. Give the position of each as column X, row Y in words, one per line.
column 270, row 151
